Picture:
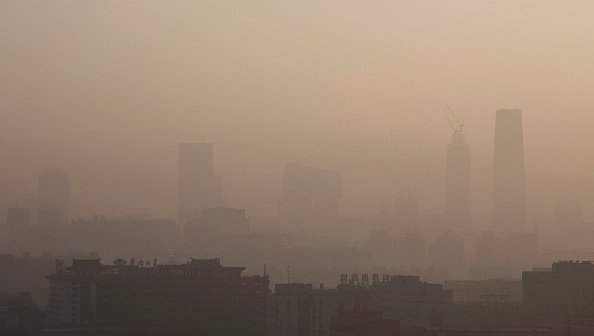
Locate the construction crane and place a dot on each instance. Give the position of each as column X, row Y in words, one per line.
column 456, row 124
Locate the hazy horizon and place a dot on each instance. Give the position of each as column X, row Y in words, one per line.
column 106, row 90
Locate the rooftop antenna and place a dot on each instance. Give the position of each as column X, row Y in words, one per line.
column 288, row 275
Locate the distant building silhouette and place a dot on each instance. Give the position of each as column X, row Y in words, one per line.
column 216, row 221
column 26, row 273
column 309, row 192
column 411, row 250
column 406, row 209
column 113, row 237
column 458, row 190
column 32, row 203
column 18, row 229
column 53, row 192
column 198, row 188
column 509, row 189
column 447, row 251
column 48, row 217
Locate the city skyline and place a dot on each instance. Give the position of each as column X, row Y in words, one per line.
column 377, row 115
column 296, row 168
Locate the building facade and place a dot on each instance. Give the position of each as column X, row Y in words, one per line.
column 565, row 291
column 198, row 187
column 198, row 297
column 414, row 303
column 301, row 310
column 458, row 188
column 509, row 185
column 53, row 192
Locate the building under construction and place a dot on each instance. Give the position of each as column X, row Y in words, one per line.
column 458, row 187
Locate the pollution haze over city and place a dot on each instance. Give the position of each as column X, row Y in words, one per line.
column 330, row 150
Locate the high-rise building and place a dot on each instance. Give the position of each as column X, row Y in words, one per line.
column 199, row 188
column 53, row 191
column 509, row 189
column 458, row 193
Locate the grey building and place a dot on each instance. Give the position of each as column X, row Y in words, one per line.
column 509, row 189
column 198, row 187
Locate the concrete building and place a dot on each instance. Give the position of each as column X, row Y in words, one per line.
column 19, row 315
column 414, row 303
column 217, row 221
column 53, row 192
column 363, row 323
column 198, row 187
column 301, row 310
column 200, row 297
column 458, row 188
column 492, row 290
column 488, row 315
column 509, row 185
column 309, row 193
column 566, row 290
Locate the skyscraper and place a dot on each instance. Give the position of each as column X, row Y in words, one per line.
column 199, row 188
column 53, row 192
column 509, row 189
column 458, row 193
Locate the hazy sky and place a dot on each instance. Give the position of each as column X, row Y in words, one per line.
column 105, row 90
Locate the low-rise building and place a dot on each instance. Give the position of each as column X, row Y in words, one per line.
column 565, row 291
column 363, row 323
column 499, row 290
column 301, row 310
column 198, row 297
column 414, row 303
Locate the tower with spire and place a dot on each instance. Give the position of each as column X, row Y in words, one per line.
column 458, row 188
